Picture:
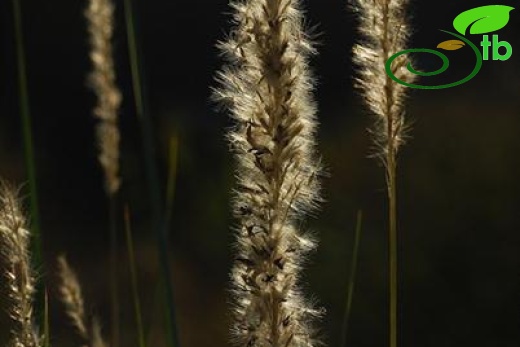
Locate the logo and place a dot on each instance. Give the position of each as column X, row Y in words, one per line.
column 480, row 20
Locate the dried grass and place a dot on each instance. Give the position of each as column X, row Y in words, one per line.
column 267, row 88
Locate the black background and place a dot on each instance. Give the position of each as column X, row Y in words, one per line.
column 459, row 175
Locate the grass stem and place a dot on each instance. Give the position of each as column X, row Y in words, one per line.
column 392, row 248
column 36, row 244
column 159, row 222
column 172, row 177
column 27, row 135
column 114, row 284
column 133, row 276
column 352, row 279
column 46, row 323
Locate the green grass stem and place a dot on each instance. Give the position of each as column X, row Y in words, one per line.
column 46, row 324
column 159, row 219
column 114, row 270
column 29, row 157
column 351, row 280
column 133, row 277
column 172, row 177
column 28, row 145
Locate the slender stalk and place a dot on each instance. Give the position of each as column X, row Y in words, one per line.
column 352, row 279
column 134, row 58
column 392, row 252
column 29, row 157
column 30, row 163
column 152, row 176
column 172, row 177
column 114, row 270
column 46, row 323
column 170, row 198
column 391, row 163
column 159, row 223
column 133, row 275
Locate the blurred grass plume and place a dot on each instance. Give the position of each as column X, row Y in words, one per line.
column 17, row 274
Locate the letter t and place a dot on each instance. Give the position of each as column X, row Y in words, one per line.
column 485, row 47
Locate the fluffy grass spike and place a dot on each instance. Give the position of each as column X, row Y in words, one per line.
column 384, row 32
column 72, row 297
column 102, row 79
column 17, row 274
column 267, row 88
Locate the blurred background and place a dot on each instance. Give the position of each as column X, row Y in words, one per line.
column 459, row 176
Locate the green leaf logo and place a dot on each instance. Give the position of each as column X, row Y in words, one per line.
column 483, row 20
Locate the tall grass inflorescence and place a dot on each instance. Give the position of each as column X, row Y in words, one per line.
column 18, row 275
column 103, row 82
column 267, row 89
column 72, row 298
column 102, row 79
column 385, row 31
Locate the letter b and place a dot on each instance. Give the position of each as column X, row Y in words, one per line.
column 496, row 46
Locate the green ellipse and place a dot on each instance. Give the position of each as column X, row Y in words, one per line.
column 444, row 67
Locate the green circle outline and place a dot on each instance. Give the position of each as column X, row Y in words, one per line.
column 444, row 67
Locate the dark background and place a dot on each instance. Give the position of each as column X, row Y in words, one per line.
column 459, row 176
